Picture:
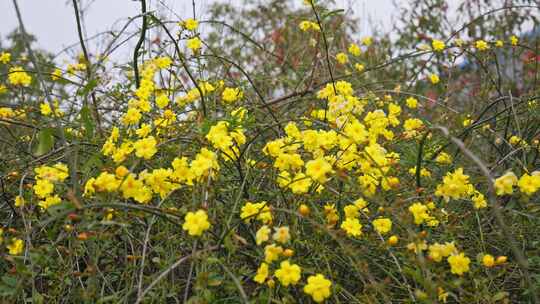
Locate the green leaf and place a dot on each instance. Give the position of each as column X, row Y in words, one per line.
column 499, row 296
column 86, row 119
column 88, row 87
column 46, row 141
column 334, row 12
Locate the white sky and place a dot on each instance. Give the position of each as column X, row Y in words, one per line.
column 53, row 23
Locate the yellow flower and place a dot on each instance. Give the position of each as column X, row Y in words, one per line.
column 499, row 43
column 6, row 112
column 419, row 212
column 382, row 225
column 367, row 41
column 262, row 235
column 317, row 169
column 411, row 102
column 196, row 223
column 43, row 188
column 5, row 57
column 56, row 74
column 459, row 263
column 351, row 211
column 501, row 260
column 479, row 200
column 514, row 40
column 146, row 147
column 304, row 25
column 144, row 130
column 162, row 101
column 19, row 201
column 16, row 247
column 359, row 67
column 17, row 76
column 300, row 183
column 488, row 260
column 352, row 226
column 434, row 78
column 288, row 273
column 393, row 240
column 444, row 158
column 342, row 58
column 308, row 25
column 354, row 49
column 132, row 117
column 163, row 62
column 417, row 247
column 106, row 182
column 50, row 201
column 442, row 295
column 504, row 184
column 481, row 45
column 45, row 109
column 231, row 95
column 318, row 287
column 262, row 273
column 455, row 186
column 194, row 44
column 282, row 235
column 439, row 251
column 203, row 163
column 260, row 211
column 437, row 45
column 272, row 253
column 190, row 24
column 529, row 184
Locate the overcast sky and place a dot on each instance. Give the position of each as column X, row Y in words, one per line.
column 52, row 21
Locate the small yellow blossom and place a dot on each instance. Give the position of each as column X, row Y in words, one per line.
column 18, row 76
column 194, row 44
column 190, row 24
column 488, row 260
column 481, row 45
column 262, row 235
column 288, row 273
column 437, row 45
column 504, row 184
column 352, row 227
column 354, row 49
column 411, row 102
column 318, row 169
column 262, row 273
column 367, row 41
column 393, row 240
column 342, row 58
column 49, row 201
column 5, row 57
column 259, row 211
column 282, row 235
column 529, row 184
column 231, row 95
column 514, row 40
column 196, row 223
column 434, row 78
column 16, row 247
column 272, row 253
column 318, row 287
column 382, row 225
column 459, row 263
column 19, row 201
column 145, row 147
